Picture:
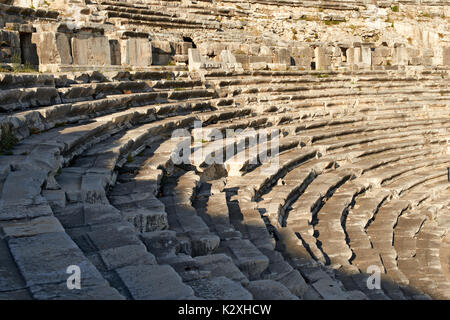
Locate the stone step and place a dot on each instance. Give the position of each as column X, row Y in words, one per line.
column 43, row 260
column 246, row 256
column 154, row 282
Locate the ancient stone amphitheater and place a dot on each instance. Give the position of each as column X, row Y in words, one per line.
column 352, row 98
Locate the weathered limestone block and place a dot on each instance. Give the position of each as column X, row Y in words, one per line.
column 204, row 48
column 360, row 56
column 381, row 55
column 114, row 49
column 218, row 48
column 351, row 56
column 258, row 66
column 366, row 57
column 322, row 58
column 195, row 59
column 269, row 290
column 44, row 258
column 182, row 47
column 52, row 48
column 282, row 56
column 446, row 56
column 136, row 52
column 220, row 288
column 400, row 56
column 229, row 60
column 265, row 51
column 242, row 59
column 150, row 282
column 30, row 228
column 256, row 59
column 161, row 243
column 382, row 52
column 9, row 46
column 89, row 49
column 197, row 62
column 227, row 57
column 221, row 265
column 161, row 51
column 302, row 57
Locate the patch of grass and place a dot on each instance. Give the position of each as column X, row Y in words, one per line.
column 16, row 61
column 332, row 22
column 27, row 68
column 129, row 158
column 60, row 124
column 238, row 51
column 171, row 63
column 7, row 142
column 394, row 9
column 321, row 75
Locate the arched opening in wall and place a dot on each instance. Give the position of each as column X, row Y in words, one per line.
column 189, row 39
column 344, row 54
column 292, row 61
column 114, row 48
column 313, row 65
column 28, row 55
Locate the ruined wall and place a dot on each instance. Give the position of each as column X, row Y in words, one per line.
column 362, row 35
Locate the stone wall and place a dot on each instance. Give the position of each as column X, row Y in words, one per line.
column 255, row 42
column 9, row 46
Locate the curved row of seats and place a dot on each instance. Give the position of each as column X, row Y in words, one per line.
column 98, row 180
